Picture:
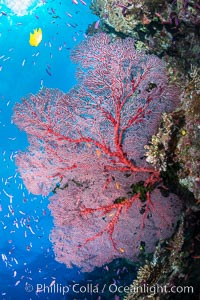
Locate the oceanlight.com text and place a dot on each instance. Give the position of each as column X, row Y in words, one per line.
column 89, row 288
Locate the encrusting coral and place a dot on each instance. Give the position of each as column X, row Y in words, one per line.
column 188, row 148
column 153, row 278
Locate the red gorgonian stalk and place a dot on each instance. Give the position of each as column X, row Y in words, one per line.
column 87, row 147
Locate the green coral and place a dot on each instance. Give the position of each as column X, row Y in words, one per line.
column 141, row 189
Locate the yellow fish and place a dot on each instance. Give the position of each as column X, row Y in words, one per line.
column 35, row 37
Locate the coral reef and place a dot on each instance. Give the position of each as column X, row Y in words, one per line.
column 188, row 148
column 175, row 148
column 169, row 29
column 166, row 261
column 177, row 139
column 124, row 16
column 160, row 150
column 175, row 263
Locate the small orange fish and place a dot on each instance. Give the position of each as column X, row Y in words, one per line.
column 98, row 152
column 117, row 185
column 35, row 37
column 121, row 250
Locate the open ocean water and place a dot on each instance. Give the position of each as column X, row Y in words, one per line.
column 27, row 257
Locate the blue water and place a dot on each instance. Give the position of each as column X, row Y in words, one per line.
column 26, row 255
